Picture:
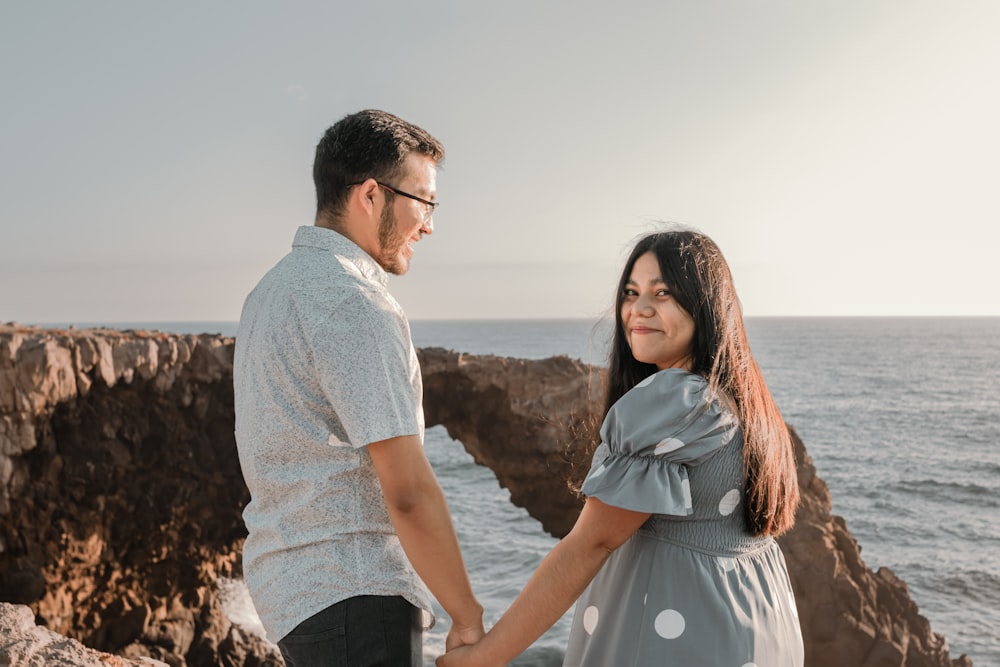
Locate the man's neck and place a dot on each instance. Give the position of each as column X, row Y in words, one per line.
column 343, row 228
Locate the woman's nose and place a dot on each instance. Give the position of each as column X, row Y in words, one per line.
column 642, row 305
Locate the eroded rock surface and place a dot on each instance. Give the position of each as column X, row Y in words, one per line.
column 121, row 494
column 26, row 644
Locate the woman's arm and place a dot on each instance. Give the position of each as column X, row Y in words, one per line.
column 556, row 584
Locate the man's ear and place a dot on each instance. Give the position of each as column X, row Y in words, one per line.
column 364, row 196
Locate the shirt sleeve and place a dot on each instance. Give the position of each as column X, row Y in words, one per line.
column 368, row 369
column 666, row 424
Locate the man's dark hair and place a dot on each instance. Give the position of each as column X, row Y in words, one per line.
column 362, row 145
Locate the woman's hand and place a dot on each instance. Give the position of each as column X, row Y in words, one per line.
column 464, row 656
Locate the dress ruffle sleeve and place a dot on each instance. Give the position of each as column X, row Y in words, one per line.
column 667, row 423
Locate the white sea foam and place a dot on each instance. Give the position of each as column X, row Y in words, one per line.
column 238, row 607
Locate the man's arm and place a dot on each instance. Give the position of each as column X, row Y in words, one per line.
column 419, row 513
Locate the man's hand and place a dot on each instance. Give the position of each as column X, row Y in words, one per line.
column 466, row 635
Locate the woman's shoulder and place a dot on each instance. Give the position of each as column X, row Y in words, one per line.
column 672, row 404
column 672, row 389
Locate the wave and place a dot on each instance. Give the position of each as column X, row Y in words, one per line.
column 970, row 585
column 930, row 489
column 991, row 468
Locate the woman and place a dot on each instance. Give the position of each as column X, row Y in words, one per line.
column 673, row 557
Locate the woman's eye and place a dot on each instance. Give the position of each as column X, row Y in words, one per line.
column 663, row 292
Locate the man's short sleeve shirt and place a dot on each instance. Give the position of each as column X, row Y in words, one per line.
column 324, row 365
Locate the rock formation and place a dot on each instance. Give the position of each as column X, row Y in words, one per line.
column 120, row 495
column 27, row 644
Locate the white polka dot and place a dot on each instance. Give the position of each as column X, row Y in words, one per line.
column 669, row 624
column 590, row 619
column 686, row 490
column 729, row 502
column 648, row 381
column 668, row 445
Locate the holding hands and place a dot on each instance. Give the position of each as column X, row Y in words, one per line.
column 463, row 656
column 459, row 641
column 464, row 635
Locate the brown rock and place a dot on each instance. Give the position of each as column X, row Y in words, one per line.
column 522, row 419
column 121, row 493
column 24, row 644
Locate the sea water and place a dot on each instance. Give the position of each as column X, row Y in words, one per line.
column 900, row 415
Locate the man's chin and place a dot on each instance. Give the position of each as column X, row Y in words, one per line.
column 396, row 265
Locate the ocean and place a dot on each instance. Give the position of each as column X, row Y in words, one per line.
column 900, row 415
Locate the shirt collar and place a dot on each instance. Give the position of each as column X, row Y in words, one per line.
column 341, row 246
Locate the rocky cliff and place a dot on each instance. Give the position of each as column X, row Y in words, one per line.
column 120, row 495
column 120, row 491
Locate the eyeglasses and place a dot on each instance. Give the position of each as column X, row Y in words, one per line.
column 431, row 205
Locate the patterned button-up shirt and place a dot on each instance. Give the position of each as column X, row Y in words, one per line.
column 324, row 366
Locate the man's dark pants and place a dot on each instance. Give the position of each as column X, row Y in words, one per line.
column 363, row 631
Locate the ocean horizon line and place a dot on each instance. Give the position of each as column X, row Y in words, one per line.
column 140, row 324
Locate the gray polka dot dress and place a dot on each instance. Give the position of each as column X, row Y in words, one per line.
column 692, row 586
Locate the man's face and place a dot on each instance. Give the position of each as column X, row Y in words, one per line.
column 404, row 221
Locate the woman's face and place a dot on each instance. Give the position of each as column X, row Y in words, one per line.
column 657, row 329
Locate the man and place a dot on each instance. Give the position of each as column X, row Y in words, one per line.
column 346, row 516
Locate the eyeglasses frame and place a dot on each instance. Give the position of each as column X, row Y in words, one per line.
column 431, row 205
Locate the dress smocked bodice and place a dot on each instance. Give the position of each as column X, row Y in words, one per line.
column 717, row 524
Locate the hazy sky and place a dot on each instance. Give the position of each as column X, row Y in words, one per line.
column 156, row 158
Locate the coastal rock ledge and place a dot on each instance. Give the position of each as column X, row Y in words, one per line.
column 121, row 495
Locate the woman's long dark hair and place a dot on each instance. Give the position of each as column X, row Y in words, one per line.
column 699, row 279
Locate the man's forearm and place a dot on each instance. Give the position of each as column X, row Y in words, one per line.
column 428, row 537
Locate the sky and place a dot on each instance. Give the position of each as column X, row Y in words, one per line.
column 845, row 155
